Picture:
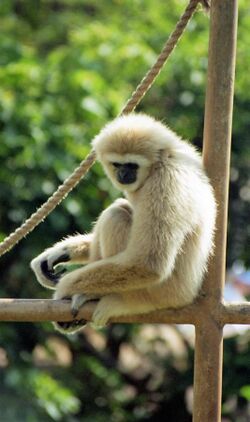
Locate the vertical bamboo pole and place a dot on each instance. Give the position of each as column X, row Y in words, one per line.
column 218, row 126
column 217, row 144
column 208, row 371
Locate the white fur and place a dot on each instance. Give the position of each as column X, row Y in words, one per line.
column 149, row 251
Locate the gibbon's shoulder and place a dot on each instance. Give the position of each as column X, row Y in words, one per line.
column 140, row 134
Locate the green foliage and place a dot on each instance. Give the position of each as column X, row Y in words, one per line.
column 245, row 392
column 56, row 400
column 47, row 399
column 68, row 66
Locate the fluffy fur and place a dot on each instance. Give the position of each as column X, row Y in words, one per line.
column 150, row 250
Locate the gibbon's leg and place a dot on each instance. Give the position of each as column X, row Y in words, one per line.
column 113, row 228
column 177, row 291
column 112, row 232
column 169, row 294
column 122, row 304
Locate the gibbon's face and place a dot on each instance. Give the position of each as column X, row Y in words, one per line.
column 127, row 171
column 129, row 146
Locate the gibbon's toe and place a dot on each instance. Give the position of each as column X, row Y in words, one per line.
column 100, row 318
column 78, row 300
column 108, row 306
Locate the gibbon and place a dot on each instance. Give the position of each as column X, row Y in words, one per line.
column 150, row 250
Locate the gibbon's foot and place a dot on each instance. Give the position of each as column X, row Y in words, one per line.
column 107, row 307
column 44, row 266
column 70, row 327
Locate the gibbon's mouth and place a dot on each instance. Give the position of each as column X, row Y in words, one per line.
column 126, row 181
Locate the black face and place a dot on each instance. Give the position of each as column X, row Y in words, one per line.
column 126, row 173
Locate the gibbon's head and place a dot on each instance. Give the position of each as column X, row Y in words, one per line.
column 130, row 145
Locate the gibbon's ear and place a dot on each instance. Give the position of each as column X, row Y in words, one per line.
column 160, row 153
column 163, row 154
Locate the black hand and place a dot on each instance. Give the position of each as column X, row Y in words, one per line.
column 49, row 273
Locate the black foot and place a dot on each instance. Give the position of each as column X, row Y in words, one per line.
column 70, row 327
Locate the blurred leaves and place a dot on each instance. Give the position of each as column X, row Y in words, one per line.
column 66, row 68
column 56, row 399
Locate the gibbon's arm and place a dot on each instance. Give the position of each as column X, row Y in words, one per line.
column 106, row 276
column 119, row 275
column 75, row 249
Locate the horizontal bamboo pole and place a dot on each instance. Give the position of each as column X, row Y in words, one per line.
column 235, row 313
column 35, row 310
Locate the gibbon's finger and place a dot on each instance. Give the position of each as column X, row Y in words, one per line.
column 50, row 274
column 48, row 267
column 54, row 259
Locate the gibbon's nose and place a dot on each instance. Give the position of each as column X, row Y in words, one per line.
column 126, row 175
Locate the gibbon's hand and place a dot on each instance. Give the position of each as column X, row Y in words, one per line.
column 44, row 265
column 74, row 248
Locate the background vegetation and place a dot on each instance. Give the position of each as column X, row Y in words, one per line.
column 68, row 66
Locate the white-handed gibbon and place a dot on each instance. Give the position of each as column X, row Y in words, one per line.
column 150, row 250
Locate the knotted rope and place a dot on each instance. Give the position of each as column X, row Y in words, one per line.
column 145, row 84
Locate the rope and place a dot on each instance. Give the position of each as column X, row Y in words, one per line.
column 64, row 189
column 169, row 46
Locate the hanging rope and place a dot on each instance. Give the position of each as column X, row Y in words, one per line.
column 63, row 190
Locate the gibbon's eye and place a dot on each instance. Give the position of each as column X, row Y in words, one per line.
column 132, row 166
column 116, row 165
